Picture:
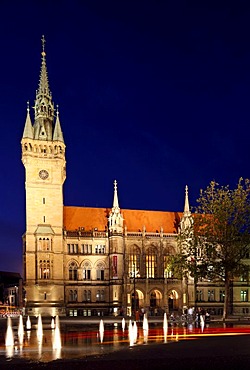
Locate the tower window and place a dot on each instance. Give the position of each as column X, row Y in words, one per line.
column 43, row 200
column 44, row 269
column 43, row 218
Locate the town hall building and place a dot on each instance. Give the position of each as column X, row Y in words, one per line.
column 83, row 261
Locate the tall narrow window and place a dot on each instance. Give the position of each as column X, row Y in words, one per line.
column 43, row 200
column 89, row 296
column 43, row 218
column 100, row 271
column 86, row 272
column 210, row 295
column 199, row 296
column 134, row 262
column 151, row 263
column 73, row 271
column 84, row 296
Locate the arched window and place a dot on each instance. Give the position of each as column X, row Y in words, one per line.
column 73, row 295
column 151, row 263
column 100, row 296
column 44, row 269
column 87, row 296
column 73, row 271
column 86, row 272
column 134, row 261
column 100, row 271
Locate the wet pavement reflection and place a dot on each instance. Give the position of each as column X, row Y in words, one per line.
column 51, row 342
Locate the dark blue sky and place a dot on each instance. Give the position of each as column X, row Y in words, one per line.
column 153, row 93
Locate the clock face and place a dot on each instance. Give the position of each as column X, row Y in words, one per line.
column 43, row 174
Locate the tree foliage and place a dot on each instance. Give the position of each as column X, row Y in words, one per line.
column 215, row 244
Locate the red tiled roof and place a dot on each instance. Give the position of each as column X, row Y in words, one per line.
column 90, row 218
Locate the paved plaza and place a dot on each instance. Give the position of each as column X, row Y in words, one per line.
column 219, row 350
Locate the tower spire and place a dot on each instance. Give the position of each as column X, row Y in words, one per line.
column 43, row 87
column 44, row 107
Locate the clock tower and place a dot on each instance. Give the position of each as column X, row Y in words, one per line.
column 43, row 156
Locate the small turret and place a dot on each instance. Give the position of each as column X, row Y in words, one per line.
column 28, row 132
column 187, row 219
column 115, row 217
column 58, row 135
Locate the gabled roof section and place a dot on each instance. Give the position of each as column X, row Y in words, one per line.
column 152, row 220
column 134, row 220
column 89, row 218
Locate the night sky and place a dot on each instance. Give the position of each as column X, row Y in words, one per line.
column 154, row 94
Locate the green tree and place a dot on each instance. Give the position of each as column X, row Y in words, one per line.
column 189, row 260
column 216, row 244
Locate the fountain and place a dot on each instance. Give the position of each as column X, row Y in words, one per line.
column 131, row 333
column 101, row 330
column 135, row 332
column 52, row 325
column 123, row 324
column 56, row 344
column 145, row 323
column 165, row 327
column 39, row 328
column 28, row 323
column 9, row 338
column 20, row 330
column 145, row 328
column 165, row 322
column 202, row 323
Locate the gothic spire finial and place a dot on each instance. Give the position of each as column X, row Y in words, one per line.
column 187, row 219
column 115, row 202
column 43, row 45
column 186, row 206
column 28, row 106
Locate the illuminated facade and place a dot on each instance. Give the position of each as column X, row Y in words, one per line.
column 82, row 261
